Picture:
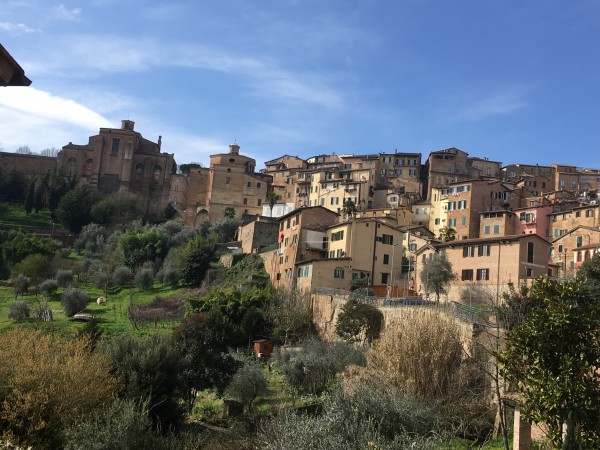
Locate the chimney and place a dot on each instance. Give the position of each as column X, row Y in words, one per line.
column 159, row 142
column 127, row 125
column 234, row 149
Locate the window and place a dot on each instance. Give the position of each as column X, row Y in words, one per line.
column 248, row 184
column 115, row 145
column 245, row 201
column 139, row 169
column 467, row 275
column 386, row 259
column 337, row 236
column 387, row 239
column 462, row 204
column 335, row 200
column 589, row 213
column 529, row 273
column 257, row 185
column 496, row 229
column 338, row 273
column 483, row 274
column 579, row 256
column 468, row 251
column 322, row 202
column 339, row 253
column 560, row 248
column 451, row 222
column 530, row 252
column 384, row 278
column 464, row 222
column 259, row 201
column 527, row 217
column 579, row 241
column 484, row 250
column 486, row 229
column 437, row 221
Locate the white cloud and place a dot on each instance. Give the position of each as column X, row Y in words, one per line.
column 500, row 103
column 41, row 120
column 43, row 104
column 63, row 13
column 17, row 28
column 85, row 56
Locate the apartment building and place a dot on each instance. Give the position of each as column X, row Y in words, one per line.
column 533, row 220
column 444, row 167
column 302, row 236
column 458, row 205
column 572, row 248
column 120, row 159
column 491, row 263
column 358, row 248
column 284, row 172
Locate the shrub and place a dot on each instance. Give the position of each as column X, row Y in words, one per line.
column 420, row 354
column 19, row 311
column 346, row 422
column 48, row 384
column 74, row 300
column 150, row 369
column 170, row 276
column 313, row 369
column 124, row 426
column 21, row 284
column 64, row 277
column 35, row 266
column 122, row 275
column 48, row 287
column 248, row 383
column 144, row 279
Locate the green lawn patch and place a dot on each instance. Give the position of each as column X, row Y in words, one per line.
column 112, row 315
column 14, row 215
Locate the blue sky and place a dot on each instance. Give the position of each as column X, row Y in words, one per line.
column 512, row 81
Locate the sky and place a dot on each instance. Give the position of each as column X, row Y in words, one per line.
column 513, row 81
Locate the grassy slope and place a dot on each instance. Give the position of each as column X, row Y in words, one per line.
column 12, row 214
column 112, row 315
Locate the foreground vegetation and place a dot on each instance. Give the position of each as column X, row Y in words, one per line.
column 139, row 337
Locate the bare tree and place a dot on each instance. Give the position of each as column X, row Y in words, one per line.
column 52, row 152
column 24, row 150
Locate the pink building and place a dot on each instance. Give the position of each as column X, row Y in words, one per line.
column 532, row 220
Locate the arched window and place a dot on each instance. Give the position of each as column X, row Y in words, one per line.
column 157, row 172
column 139, row 169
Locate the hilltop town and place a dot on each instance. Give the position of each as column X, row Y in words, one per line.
column 328, row 220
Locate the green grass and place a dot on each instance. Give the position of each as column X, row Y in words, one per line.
column 462, row 444
column 112, row 315
column 12, row 214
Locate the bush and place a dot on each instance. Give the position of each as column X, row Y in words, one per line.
column 21, row 285
column 315, row 367
column 150, row 369
column 124, row 426
column 19, row 311
column 421, row 354
column 49, row 383
column 122, row 275
column 48, row 287
column 170, row 276
column 144, row 279
column 248, row 383
column 35, row 266
column 346, row 422
column 74, row 300
column 64, row 277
